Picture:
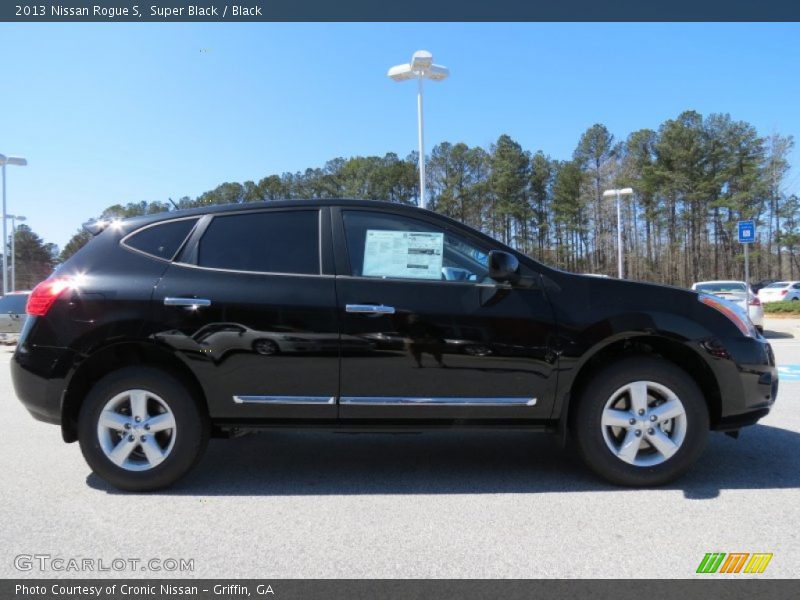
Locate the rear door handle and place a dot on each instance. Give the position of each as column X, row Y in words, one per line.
column 370, row 309
column 188, row 302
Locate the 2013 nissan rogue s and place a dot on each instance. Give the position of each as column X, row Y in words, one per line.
column 165, row 330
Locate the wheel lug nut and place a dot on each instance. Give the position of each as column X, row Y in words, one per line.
column 632, row 421
column 131, row 438
column 638, row 433
column 137, row 419
column 641, row 411
column 143, row 438
column 651, row 431
column 147, row 427
column 653, row 418
column 127, row 425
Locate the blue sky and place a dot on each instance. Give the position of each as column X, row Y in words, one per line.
column 109, row 113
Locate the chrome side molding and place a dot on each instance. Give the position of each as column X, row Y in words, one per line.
column 372, row 309
column 284, row 399
column 441, row 401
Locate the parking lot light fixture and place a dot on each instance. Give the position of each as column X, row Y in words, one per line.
column 421, row 67
column 19, row 162
column 618, row 193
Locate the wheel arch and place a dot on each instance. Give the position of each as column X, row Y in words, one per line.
column 109, row 358
column 673, row 350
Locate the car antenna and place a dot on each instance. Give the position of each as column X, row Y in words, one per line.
column 173, row 203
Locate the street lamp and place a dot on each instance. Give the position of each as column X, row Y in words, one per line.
column 20, row 162
column 421, row 67
column 619, row 193
column 14, row 219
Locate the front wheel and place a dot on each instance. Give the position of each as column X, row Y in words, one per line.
column 640, row 422
column 140, row 429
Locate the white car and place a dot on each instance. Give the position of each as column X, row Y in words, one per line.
column 737, row 292
column 780, row 290
column 12, row 316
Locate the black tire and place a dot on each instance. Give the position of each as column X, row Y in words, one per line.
column 589, row 432
column 191, row 428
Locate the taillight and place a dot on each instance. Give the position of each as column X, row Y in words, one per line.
column 754, row 301
column 783, row 292
column 45, row 294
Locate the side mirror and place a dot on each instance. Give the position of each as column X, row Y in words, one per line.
column 503, row 267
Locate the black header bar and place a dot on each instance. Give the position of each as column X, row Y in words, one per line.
column 142, row 11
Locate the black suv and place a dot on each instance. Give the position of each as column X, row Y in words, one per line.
column 356, row 315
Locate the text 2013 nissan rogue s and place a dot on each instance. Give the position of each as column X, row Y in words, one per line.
column 168, row 329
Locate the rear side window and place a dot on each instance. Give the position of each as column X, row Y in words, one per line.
column 161, row 240
column 268, row 242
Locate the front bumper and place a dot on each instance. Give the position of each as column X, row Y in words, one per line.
column 748, row 380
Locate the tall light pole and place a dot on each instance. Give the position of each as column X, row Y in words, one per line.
column 619, row 193
column 421, row 67
column 14, row 219
column 20, row 162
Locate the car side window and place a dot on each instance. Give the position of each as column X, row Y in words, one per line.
column 161, row 240
column 387, row 246
column 796, row 286
column 263, row 242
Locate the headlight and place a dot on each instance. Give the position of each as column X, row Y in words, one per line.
column 732, row 311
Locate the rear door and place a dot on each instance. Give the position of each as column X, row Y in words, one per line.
column 251, row 308
column 446, row 341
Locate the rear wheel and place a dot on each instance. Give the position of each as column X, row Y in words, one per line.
column 641, row 422
column 265, row 347
column 140, row 429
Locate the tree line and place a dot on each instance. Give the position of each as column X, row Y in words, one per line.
column 694, row 178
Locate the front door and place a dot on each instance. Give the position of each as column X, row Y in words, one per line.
column 251, row 311
column 446, row 341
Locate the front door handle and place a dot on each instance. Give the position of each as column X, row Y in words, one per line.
column 187, row 302
column 370, row 309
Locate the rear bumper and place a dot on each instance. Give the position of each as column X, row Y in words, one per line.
column 37, row 382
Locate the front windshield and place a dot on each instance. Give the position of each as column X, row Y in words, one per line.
column 722, row 287
column 778, row 284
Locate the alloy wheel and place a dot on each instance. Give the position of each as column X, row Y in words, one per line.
column 136, row 430
column 644, row 423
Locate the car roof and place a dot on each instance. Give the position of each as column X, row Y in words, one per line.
column 304, row 203
column 130, row 223
column 718, row 281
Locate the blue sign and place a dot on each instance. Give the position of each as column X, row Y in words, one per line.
column 789, row 372
column 747, row 232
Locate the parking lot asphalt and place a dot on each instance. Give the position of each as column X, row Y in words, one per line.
column 450, row 504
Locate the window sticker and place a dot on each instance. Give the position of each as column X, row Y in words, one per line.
column 406, row 254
